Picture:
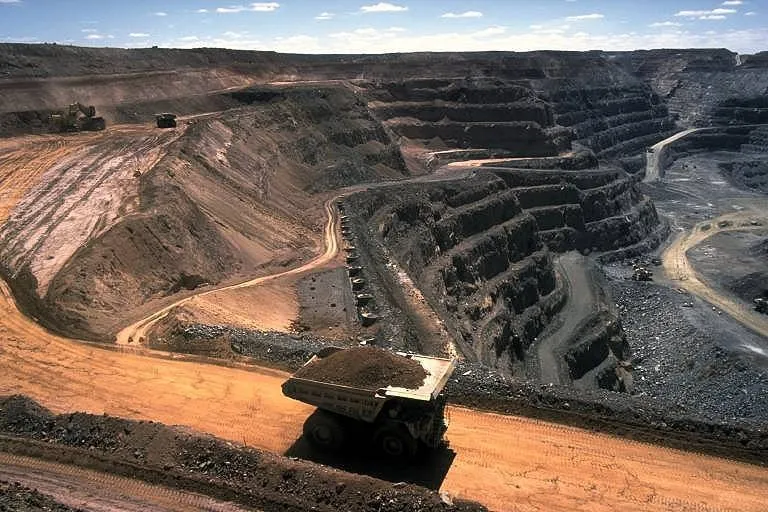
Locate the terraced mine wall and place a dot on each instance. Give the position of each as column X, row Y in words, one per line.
column 704, row 87
column 527, row 104
column 612, row 121
column 481, row 252
column 613, row 115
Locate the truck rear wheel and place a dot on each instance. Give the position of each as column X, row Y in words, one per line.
column 395, row 442
column 324, row 431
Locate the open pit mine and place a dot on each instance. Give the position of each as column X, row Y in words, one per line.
column 238, row 280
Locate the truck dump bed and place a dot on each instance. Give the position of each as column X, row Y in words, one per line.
column 365, row 404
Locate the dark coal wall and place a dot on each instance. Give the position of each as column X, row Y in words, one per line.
column 609, row 112
column 481, row 252
column 704, row 87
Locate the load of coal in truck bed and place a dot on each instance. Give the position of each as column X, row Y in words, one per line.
column 367, row 368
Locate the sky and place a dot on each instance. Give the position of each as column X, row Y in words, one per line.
column 370, row 26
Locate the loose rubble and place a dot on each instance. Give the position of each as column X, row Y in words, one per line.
column 15, row 497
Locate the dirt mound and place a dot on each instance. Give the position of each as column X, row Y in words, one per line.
column 366, row 367
column 170, row 456
column 17, row 498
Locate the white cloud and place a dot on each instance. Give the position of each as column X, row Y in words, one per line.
column 254, row 7
column 160, row 13
column 189, row 38
column 699, row 14
column 138, row 34
column 732, row 2
column 750, row 13
column 94, row 36
column 383, row 7
column 666, row 24
column 465, row 14
column 325, row 16
column 367, row 33
column 490, row 31
column 88, row 30
column 369, row 40
column 10, row 1
column 593, row 16
column 201, row 11
column 712, row 17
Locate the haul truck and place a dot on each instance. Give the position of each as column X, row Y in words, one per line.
column 397, row 420
column 78, row 117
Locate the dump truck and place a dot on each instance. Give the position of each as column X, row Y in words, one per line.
column 397, row 421
column 77, row 117
column 165, row 120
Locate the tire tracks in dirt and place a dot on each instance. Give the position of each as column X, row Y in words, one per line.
column 101, row 492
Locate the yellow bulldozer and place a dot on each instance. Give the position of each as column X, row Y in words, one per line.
column 77, row 118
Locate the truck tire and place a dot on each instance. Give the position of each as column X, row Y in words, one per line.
column 395, row 442
column 324, row 431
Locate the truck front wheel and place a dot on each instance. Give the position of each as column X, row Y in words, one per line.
column 324, row 431
column 395, row 442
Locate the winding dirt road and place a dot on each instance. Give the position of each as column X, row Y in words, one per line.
column 678, row 268
column 506, row 462
column 654, row 155
column 138, row 331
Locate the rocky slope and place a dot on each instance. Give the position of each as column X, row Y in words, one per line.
column 704, row 87
column 231, row 196
column 479, row 249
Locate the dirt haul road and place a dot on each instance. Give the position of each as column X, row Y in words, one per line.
column 679, row 269
column 508, row 463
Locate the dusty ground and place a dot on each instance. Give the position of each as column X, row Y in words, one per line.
column 16, row 497
column 533, row 463
column 65, row 488
column 746, row 275
column 271, row 307
column 327, row 305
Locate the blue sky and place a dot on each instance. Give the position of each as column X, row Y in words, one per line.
column 346, row 26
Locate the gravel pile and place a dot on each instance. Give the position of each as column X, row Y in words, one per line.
column 366, row 367
column 17, row 498
column 279, row 349
column 683, row 354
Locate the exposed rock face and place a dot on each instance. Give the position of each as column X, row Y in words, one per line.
column 612, row 114
column 471, row 113
column 570, row 107
column 228, row 196
column 704, row 87
column 613, row 119
column 480, row 251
